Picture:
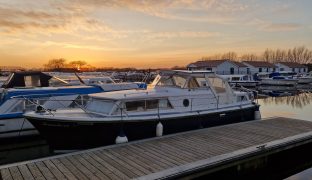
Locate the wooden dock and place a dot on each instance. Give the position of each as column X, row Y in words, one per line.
column 187, row 154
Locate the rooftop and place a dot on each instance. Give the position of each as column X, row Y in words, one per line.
column 259, row 64
column 293, row 64
column 215, row 63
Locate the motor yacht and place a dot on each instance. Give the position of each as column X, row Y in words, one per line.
column 176, row 101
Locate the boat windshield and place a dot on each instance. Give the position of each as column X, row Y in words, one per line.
column 218, row 84
column 173, row 80
column 100, row 106
column 182, row 81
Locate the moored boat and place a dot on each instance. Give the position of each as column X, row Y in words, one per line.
column 176, row 101
column 276, row 79
column 24, row 91
column 241, row 80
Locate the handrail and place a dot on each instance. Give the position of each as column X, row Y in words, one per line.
column 37, row 104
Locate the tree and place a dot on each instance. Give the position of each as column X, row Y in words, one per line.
column 249, row 57
column 77, row 64
column 55, row 64
column 230, row 56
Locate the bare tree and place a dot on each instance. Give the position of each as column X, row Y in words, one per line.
column 77, row 64
column 55, row 63
column 249, row 57
column 230, row 56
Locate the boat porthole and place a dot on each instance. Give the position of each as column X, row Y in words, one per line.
column 186, row 102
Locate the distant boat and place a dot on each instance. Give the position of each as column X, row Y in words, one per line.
column 277, row 79
column 24, row 91
column 240, row 80
column 176, row 101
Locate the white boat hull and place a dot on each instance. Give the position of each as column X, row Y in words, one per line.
column 304, row 80
column 279, row 82
column 244, row 84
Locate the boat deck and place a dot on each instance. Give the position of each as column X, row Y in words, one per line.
column 172, row 156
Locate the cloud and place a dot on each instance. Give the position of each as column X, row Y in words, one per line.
column 279, row 27
column 181, row 34
column 268, row 26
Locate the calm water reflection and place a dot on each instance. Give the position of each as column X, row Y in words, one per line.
column 296, row 106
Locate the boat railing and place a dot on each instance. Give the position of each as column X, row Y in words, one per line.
column 38, row 106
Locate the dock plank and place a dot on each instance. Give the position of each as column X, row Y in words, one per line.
column 63, row 169
column 72, row 168
column 164, row 156
column 35, row 171
column 54, row 170
column 25, row 172
column 45, row 170
column 81, row 167
column 16, row 174
column 6, row 174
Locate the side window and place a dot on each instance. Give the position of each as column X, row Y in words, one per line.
column 147, row 105
column 152, row 104
column 32, row 81
column 18, row 107
column 135, row 105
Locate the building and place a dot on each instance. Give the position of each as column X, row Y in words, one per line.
column 254, row 67
column 291, row 66
column 219, row 66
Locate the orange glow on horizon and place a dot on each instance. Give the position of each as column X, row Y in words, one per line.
column 149, row 34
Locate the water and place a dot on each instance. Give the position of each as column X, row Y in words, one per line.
column 297, row 106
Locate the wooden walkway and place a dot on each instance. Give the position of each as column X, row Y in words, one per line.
column 168, row 156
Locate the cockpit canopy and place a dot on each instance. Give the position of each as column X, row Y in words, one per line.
column 27, row 79
column 180, row 79
column 189, row 79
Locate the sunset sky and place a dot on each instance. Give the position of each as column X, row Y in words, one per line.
column 154, row 33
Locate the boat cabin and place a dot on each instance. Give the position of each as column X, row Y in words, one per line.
column 27, row 79
column 171, row 90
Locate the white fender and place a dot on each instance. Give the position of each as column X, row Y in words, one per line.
column 159, row 129
column 257, row 115
column 121, row 139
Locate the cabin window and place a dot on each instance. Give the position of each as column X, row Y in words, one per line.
column 235, row 78
column 147, row 104
column 260, row 69
column 192, row 83
column 241, row 98
column 217, row 84
column 209, row 69
column 135, row 105
column 164, row 103
column 304, row 70
column 281, row 69
column 151, row 104
column 18, row 107
column 201, row 81
column 245, row 78
column 166, row 81
column 32, row 81
column 179, row 81
column 100, row 106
